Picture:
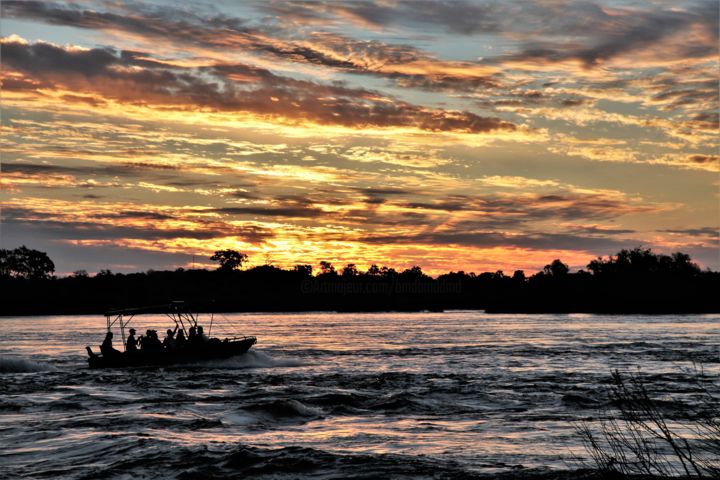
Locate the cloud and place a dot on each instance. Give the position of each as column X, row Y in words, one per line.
column 296, row 212
column 116, row 76
column 402, row 62
column 457, row 16
column 544, row 241
column 109, row 222
column 711, row 232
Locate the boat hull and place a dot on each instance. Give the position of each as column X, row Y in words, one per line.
column 212, row 350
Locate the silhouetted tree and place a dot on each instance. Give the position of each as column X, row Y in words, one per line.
column 519, row 276
column 24, row 262
column 350, row 270
column 374, row 271
column 305, row 270
column 80, row 274
column 642, row 261
column 412, row 273
column 556, row 269
column 388, row 272
column 229, row 259
column 326, row 268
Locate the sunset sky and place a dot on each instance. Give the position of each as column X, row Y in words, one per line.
column 461, row 135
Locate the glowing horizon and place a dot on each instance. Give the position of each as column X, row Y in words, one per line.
column 468, row 135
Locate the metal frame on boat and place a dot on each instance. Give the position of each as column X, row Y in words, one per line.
column 184, row 318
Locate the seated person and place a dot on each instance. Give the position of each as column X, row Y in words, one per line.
column 151, row 342
column 132, row 342
column 201, row 335
column 106, row 348
column 180, row 340
column 169, row 341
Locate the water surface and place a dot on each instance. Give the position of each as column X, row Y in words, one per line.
column 453, row 394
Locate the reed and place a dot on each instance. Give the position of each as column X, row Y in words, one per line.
column 640, row 440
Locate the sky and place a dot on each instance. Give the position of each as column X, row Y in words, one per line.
column 463, row 135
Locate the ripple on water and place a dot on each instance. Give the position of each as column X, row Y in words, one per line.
column 456, row 395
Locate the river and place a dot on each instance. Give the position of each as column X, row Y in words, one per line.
column 397, row 395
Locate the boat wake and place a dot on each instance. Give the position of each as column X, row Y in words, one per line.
column 22, row 365
column 252, row 359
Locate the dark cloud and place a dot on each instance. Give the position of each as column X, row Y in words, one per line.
column 713, row 232
column 599, row 34
column 331, row 50
column 457, row 16
column 34, row 169
column 124, row 169
column 101, row 227
column 92, row 71
column 596, row 32
column 528, row 208
column 544, row 241
column 702, row 159
column 601, row 231
column 387, row 191
column 135, row 214
column 300, row 211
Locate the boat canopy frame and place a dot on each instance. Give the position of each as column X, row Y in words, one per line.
column 177, row 311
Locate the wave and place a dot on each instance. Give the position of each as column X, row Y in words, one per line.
column 253, row 359
column 22, row 365
column 285, row 409
column 246, row 461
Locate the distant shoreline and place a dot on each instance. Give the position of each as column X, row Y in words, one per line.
column 44, row 313
column 632, row 282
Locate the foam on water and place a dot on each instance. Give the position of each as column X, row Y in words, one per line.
column 252, row 359
column 22, row 365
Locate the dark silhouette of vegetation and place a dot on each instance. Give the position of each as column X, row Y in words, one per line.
column 23, row 262
column 632, row 281
column 229, row 259
column 645, row 440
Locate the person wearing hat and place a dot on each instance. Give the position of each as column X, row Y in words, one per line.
column 131, row 344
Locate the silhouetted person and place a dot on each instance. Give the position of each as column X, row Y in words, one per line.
column 151, row 342
column 131, row 344
column 192, row 336
column 106, row 348
column 201, row 337
column 169, row 341
column 180, row 340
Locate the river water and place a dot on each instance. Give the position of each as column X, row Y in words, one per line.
column 325, row 395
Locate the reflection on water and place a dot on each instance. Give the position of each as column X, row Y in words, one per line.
column 413, row 394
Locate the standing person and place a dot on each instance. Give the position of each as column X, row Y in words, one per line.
column 131, row 344
column 191, row 336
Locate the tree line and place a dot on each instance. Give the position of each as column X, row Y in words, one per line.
column 631, row 281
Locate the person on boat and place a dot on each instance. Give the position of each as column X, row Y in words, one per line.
column 151, row 342
column 191, row 335
column 132, row 342
column 169, row 341
column 201, row 335
column 106, row 348
column 180, row 340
